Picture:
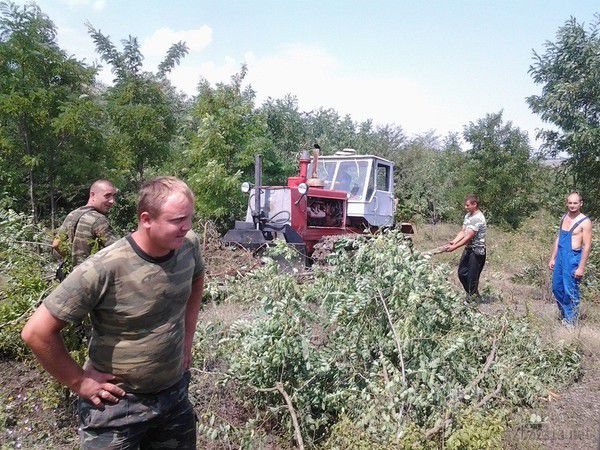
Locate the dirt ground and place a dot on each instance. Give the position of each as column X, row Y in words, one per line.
column 570, row 417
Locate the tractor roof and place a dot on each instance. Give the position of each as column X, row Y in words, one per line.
column 341, row 157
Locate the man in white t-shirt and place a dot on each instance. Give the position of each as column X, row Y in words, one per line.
column 472, row 236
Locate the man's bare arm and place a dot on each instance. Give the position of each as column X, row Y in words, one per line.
column 586, row 247
column 465, row 239
column 56, row 246
column 458, row 237
column 42, row 334
column 554, row 253
column 192, row 310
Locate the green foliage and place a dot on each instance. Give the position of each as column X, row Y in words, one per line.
column 381, row 338
column 23, row 278
column 222, row 149
column 430, row 180
column 500, row 170
column 569, row 72
column 137, row 104
column 47, row 116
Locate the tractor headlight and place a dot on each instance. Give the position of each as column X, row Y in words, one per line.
column 302, row 188
column 245, row 187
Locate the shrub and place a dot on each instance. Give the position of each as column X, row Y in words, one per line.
column 380, row 342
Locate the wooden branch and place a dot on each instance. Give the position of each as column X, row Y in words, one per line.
column 396, row 339
column 35, row 305
column 34, row 243
column 443, row 424
column 489, row 360
column 288, row 401
column 290, row 407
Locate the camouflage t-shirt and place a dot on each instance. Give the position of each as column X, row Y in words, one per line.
column 137, row 308
column 82, row 226
column 476, row 222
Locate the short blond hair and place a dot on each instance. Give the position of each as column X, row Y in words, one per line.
column 154, row 193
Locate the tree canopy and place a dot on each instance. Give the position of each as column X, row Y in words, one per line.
column 569, row 73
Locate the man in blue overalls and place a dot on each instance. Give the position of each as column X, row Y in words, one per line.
column 569, row 257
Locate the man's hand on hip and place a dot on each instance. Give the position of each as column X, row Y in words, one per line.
column 97, row 388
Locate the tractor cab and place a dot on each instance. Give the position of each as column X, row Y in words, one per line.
column 368, row 182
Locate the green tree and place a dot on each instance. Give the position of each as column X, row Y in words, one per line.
column 229, row 133
column 430, row 178
column 500, row 170
column 48, row 115
column 287, row 127
column 141, row 107
column 569, row 72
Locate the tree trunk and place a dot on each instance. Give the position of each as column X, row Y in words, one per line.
column 29, row 152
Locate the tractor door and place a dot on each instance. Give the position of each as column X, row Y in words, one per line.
column 382, row 203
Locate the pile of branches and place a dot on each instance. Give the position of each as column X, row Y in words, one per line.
column 380, row 351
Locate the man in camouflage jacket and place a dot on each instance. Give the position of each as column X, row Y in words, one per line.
column 143, row 296
column 86, row 224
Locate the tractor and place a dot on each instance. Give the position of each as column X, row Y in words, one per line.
column 346, row 193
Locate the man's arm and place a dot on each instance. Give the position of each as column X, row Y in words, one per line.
column 586, row 247
column 102, row 230
column 554, row 253
column 42, row 334
column 56, row 246
column 458, row 237
column 467, row 235
column 191, row 319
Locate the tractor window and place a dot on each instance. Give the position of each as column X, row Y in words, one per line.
column 351, row 177
column 383, row 177
column 325, row 172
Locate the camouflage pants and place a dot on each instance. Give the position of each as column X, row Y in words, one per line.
column 140, row 421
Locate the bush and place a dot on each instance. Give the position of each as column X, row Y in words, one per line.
column 380, row 341
column 25, row 274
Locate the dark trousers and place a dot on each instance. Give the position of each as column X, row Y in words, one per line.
column 141, row 421
column 469, row 269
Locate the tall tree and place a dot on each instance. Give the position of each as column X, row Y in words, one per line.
column 230, row 131
column 569, row 72
column 138, row 104
column 500, row 169
column 40, row 87
column 142, row 108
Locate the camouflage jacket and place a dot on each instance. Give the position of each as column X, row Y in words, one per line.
column 83, row 228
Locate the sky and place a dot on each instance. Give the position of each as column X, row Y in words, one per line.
column 422, row 65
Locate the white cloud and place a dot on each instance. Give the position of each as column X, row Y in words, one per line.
column 159, row 42
column 318, row 79
column 97, row 5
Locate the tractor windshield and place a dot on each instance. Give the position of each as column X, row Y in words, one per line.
column 348, row 176
column 325, row 172
column 351, row 177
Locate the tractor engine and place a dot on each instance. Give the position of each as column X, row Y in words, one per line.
column 324, row 212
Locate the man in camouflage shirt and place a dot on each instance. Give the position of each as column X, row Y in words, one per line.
column 143, row 296
column 86, row 224
column 472, row 236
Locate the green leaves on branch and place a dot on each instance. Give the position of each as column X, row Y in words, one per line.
column 379, row 337
column 569, row 73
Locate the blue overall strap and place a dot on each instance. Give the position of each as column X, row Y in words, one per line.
column 561, row 222
column 577, row 223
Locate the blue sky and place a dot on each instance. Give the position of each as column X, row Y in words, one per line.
column 434, row 65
